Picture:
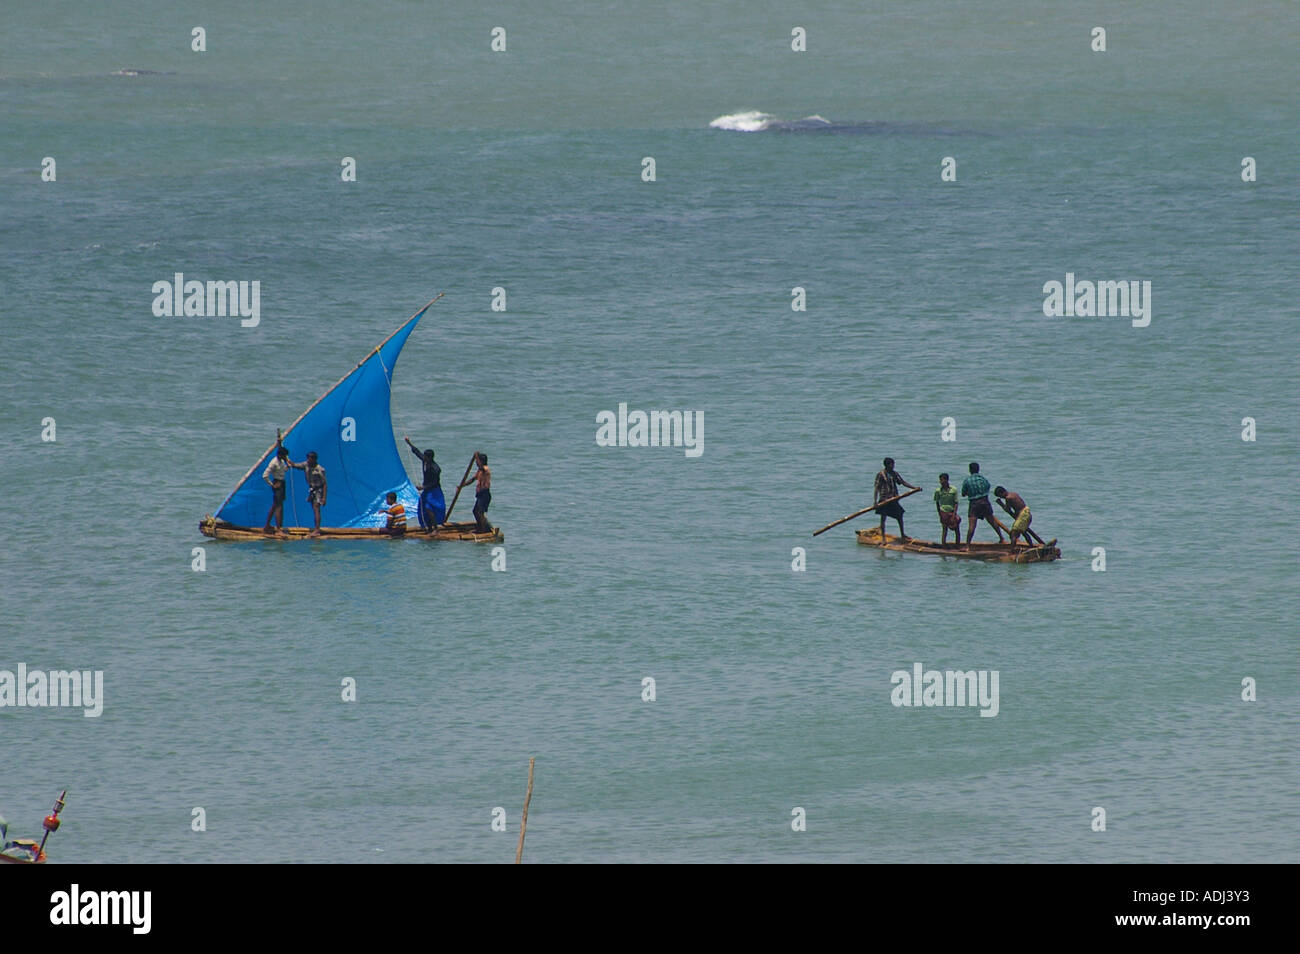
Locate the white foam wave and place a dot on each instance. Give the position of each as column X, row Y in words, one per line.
column 755, row 121
column 750, row 121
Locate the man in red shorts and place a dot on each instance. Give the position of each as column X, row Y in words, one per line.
column 945, row 503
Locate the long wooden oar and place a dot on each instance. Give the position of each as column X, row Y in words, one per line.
column 867, row 510
column 1029, row 533
column 472, row 460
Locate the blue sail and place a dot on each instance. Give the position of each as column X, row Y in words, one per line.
column 351, row 431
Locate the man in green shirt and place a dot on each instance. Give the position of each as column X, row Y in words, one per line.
column 945, row 503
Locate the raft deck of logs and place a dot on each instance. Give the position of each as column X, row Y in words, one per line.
column 992, row 552
column 210, row 526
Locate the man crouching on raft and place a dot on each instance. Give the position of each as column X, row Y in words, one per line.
column 396, row 515
column 1019, row 509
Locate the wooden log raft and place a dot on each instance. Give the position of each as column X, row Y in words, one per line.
column 210, row 526
column 991, row 552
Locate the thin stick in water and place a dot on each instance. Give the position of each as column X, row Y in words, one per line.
column 523, row 822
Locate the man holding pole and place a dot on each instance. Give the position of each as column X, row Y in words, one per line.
column 433, row 506
column 274, row 477
column 482, row 480
column 1015, row 504
column 886, row 488
column 976, row 489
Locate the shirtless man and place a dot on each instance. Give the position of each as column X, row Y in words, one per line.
column 482, row 481
column 1019, row 510
column 317, row 489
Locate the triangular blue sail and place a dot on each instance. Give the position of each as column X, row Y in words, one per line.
column 359, row 471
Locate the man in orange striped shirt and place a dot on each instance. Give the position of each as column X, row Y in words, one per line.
column 396, row 516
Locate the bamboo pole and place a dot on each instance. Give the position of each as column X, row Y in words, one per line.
column 867, row 510
column 523, row 822
column 447, row 517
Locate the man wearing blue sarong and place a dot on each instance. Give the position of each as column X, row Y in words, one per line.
column 433, row 506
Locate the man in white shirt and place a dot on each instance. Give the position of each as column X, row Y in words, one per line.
column 274, row 476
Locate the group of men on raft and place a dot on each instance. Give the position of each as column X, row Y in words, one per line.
column 432, row 511
column 975, row 488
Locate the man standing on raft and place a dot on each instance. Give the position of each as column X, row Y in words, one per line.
column 274, row 476
column 317, row 489
column 976, row 488
column 945, row 503
column 887, row 482
column 482, row 480
column 433, row 506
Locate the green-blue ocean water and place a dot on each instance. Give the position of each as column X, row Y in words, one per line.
column 1119, row 689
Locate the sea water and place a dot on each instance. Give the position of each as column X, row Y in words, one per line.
column 774, row 170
